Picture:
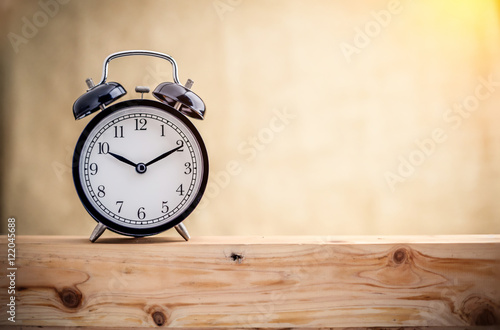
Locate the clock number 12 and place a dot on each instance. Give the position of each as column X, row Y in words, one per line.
column 140, row 124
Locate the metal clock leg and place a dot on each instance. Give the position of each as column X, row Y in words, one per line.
column 182, row 230
column 98, row 230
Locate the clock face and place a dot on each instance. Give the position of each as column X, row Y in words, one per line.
column 140, row 167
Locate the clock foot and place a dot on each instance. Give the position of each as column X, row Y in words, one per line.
column 98, row 230
column 182, row 230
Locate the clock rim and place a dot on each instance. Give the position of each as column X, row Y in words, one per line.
column 101, row 218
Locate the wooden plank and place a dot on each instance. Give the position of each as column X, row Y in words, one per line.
column 267, row 282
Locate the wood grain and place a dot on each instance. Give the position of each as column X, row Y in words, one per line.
column 267, row 282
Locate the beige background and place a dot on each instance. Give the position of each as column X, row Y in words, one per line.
column 302, row 135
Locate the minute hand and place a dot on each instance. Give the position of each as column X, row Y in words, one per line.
column 162, row 156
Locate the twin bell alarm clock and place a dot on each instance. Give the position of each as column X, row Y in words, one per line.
column 140, row 166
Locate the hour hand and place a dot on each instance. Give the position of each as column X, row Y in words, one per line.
column 123, row 159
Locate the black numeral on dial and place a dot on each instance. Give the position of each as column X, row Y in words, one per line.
column 180, row 143
column 118, row 131
column 140, row 124
column 93, row 168
column 164, row 207
column 102, row 148
column 141, row 214
column 180, row 190
column 100, row 191
column 119, row 207
column 188, row 168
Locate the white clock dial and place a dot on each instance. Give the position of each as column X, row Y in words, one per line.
column 141, row 167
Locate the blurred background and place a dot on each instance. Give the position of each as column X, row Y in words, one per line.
column 323, row 117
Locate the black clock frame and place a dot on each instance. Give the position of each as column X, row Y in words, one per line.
column 98, row 216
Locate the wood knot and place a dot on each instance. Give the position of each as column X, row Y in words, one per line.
column 485, row 317
column 237, row 257
column 400, row 256
column 70, row 297
column 479, row 311
column 159, row 318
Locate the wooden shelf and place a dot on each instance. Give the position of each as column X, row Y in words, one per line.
column 259, row 282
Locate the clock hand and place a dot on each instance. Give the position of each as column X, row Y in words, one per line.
column 122, row 159
column 163, row 156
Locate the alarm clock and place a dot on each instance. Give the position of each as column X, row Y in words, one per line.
column 140, row 166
